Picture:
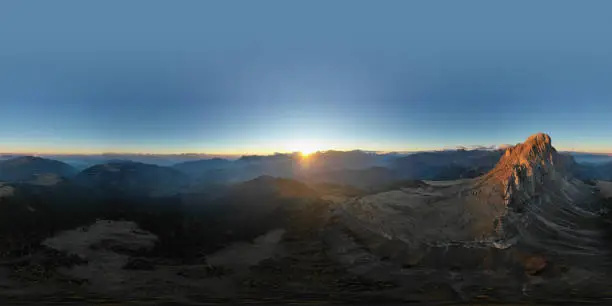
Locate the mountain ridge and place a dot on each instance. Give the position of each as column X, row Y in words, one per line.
column 538, row 198
column 27, row 168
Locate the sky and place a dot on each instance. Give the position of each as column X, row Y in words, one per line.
column 274, row 76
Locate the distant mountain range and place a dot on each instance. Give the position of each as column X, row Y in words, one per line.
column 356, row 159
column 355, row 168
column 593, row 158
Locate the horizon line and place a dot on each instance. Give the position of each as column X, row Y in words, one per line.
column 62, row 153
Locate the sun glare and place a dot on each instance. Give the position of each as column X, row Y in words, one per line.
column 306, row 148
column 306, row 152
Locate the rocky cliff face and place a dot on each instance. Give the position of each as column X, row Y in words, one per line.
column 543, row 205
column 524, row 167
column 529, row 200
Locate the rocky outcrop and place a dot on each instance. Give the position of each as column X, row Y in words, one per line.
column 542, row 204
column 529, row 202
column 524, row 167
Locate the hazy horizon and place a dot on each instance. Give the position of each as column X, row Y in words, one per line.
column 163, row 77
column 237, row 154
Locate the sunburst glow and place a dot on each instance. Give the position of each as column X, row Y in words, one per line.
column 305, row 148
column 306, row 153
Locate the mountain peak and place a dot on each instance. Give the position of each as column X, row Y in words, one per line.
column 536, row 151
column 533, row 190
column 524, row 167
column 539, row 143
column 539, row 138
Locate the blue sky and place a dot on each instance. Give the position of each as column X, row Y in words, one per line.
column 266, row 76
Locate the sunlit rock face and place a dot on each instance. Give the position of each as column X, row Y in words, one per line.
column 543, row 204
column 528, row 202
column 523, row 168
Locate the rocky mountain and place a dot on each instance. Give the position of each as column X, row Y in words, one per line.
column 528, row 203
column 29, row 168
column 540, row 198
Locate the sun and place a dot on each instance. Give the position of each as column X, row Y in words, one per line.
column 307, row 152
column 306, row 148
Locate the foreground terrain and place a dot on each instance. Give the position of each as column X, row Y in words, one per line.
column 525, row 231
